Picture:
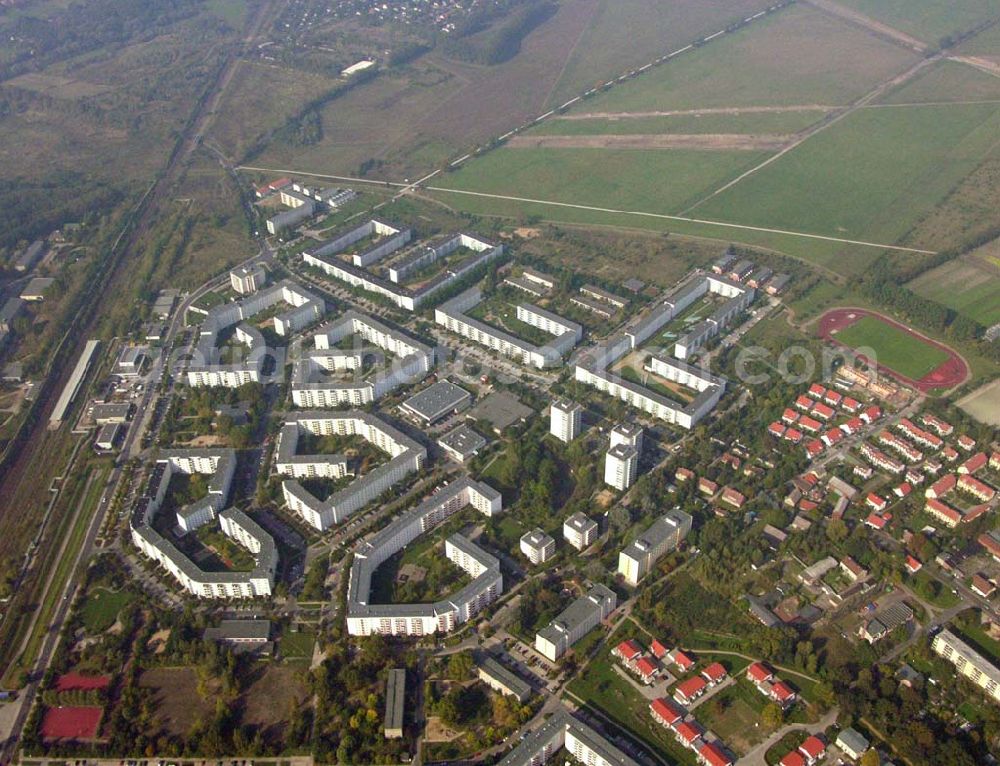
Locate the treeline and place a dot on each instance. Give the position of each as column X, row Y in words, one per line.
column 32, row 207
column 501, row 41
column 35, row 43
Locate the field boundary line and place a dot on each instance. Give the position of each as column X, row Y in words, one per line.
column 831, row 119
column 685, row 219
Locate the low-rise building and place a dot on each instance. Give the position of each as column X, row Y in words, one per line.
column 575, row 621
column 437, row 401
column 500, row 679
column 395, row 695
column 580, row 531
column 537, row 546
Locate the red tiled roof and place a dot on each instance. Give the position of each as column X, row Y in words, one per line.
column 688, row 731
column 681, row 659
column 813, row 747
column 714, row 672
column 793, row 759
column 629, row 649
column 712, row 755
column 666, row 709
column 645, row 666
column 692, row 687
column 816, row 390
column 913, row 564
column 758, row 671
column 782, row 691
column 658, row 649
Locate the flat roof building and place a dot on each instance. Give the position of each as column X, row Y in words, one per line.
column 575, row 621
column 563, row 730
column 621, row 466
column 537, row 546
column 395, row 694
column 580, row 531
column 248, row 279
column 240, row 632
column 35, row 289
column 969, row 662
column 500, row 679
column 462, row 443
column 665, row 534
column 437, row 401
column 565, row 419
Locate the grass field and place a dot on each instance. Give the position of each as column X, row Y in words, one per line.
column 893, row 348
column 101, row 609
column 872, row 175
column 744, row 123
column 984, row 403
column 969, row 284
column 796, row 56
column 624, row 34
column 927, row 20
column 947, row 81
column 660, row 181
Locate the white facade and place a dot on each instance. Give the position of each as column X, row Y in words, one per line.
column 537, row 546
column 663, row 536
column 580, row 531
column 565, row 418
column 247, row 279
column 621, row 465
column 969, row 663
column 575, row 621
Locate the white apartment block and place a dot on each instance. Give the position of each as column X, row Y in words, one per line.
column 628, row 434
column 312, row 387
column 565, row 419
column 621, row 466
column 663, row 536
column 406, row 457
column 452, row 316
column 969, row 663
column 580, row 531
column 247, row 279
column 575, row 621
column 365, row 619
column 537, row 546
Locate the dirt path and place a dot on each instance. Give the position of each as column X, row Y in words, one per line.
column 977, row 62
column 877, row 27
column 710, row 141
column 737, row 110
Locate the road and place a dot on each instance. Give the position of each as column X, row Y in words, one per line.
column 755, row 757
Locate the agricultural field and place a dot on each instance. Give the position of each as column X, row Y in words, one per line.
column 659, row 181
column 851, row 181
column 928, row 20
column 895, row 349
column 946, row 81
column 969, row 284
column 984, row 403
column 798, row 56
column 744, row 122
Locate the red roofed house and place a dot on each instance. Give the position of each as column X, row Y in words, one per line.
column 809, row 424
column 793, row 759
column 817, row 391
column 966, row 442
column 833, row 436
column 813, row 749
column 782, row 694
column 646, row 669
column 974, row 463
column 912, row 565
column 707, row 486
column 852, row 426
column 875, row 502
column 789, row 416
column 902, row 490
column 944, row 513
column 991, row 544
column 690, row 690
column 711, row 754
column 681, row 660
column 973, row 486
column 982, row 586
column 683, row 474
column 665, row 712
column 758, row 673
column 688, row 733
column 975, row 512
column 814, row 448
column 877, row 522
column 941, row 487
column 995, row 461
column 850, row 404
column 658, row 650
column 628, row 650
column 804, row 403
column 731, row 497
column 871, row 414
column 823, row 411
column 776, row 429
column 714, row 673
column 942, row 427
column 793, row 435
column 949, row 453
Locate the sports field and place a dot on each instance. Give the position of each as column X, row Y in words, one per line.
column 895, row 349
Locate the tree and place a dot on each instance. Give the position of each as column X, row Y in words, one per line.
column 771, row 716
column 836, row 530
column 460, row 666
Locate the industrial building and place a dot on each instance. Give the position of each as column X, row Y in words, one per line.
column 365, row 618
column 437, row 401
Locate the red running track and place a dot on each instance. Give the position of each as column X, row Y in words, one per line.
column 950, row 373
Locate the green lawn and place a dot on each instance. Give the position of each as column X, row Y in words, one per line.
column 871, row 176
column 743, row 123
column 297, row 646
column 927, row 20
column 797, row 56
column 969, row 284
column 893, row 348
column 658, row 181
column 101, row 609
